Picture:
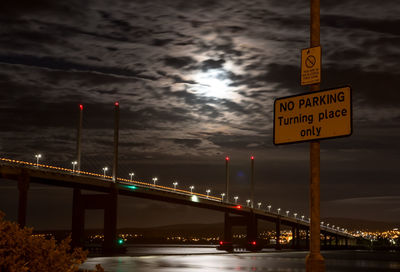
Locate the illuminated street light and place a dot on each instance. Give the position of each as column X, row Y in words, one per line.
column 295, row 215
column 278, row 210
column 105, row 169
column 236, row 199
column 322, row 223
column 74, row 163
column 131, row 175
column 259, row 204
column 38, row 156
column 222, row 197
column 302, row 217
column 154, row 181
column 269, row 208
column 175, row 184
column 191, row 189
column 287, row 213
column 208, row 191
column 248, row 202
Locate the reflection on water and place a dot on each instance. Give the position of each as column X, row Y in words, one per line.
column 190, row 259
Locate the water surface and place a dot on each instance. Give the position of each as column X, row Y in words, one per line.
column 205, row 258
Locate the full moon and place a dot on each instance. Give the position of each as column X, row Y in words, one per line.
column 213, row 83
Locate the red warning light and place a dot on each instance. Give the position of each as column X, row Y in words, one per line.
column 253, row 243
column 221, row 243
column 117, row 104
column 238, row 206
column 81, row 106
column 252, row 157
column 227, row 158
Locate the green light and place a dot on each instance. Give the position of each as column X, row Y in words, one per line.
column 120, row 241
column 132, row 187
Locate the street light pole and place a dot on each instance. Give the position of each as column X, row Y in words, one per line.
column 38, row 156
column 105, row 169
column 131, row 175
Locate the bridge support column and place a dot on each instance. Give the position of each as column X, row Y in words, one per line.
column 346, row 242
column 252, row 228
column 293, row 237
column 227, row 229
column 297, row 237
column 325, row 239
column 307, row 238
column 278, row 233
column 78, row 219
column 336, row 240
column 110, row 222
column 23, row 187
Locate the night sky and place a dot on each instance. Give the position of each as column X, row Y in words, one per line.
column 196, row 81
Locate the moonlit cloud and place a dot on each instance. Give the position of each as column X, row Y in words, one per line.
column 196, row 81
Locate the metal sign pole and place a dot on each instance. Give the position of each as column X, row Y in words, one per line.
column 314, row 260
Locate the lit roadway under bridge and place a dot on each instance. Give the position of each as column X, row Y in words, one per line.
column 235, row 215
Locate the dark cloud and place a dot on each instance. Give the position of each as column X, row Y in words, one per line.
column 196, row 80
column 25, row 7
column 212, row 64
column 188, row 142
column 376, row 25
column 61, row 64
column 178, row 62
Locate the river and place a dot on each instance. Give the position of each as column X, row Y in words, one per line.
column 160, row 258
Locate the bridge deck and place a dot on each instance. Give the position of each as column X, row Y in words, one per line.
column 56, row 176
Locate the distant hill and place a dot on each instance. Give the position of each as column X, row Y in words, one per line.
column 216, row 229
column 361, row 224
